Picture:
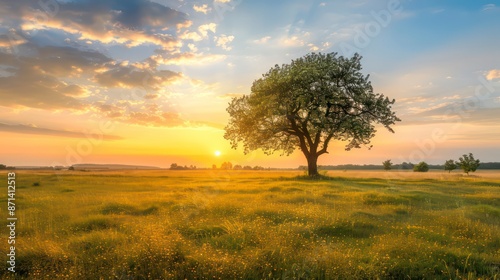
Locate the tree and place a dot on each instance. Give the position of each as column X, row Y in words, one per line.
column 387, row 164
column 237, row 167
column 226, row 165
column 468, row 163
column 421, row 167
column 174, row 166
column 406, row 165
column 450, row 165
column 305, row 105
column 3, row 166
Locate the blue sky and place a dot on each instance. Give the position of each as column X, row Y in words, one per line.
column 163, row 72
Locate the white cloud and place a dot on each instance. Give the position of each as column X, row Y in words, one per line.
column 262, row 40
column 201, row 34
column 223, row 41
column 313, row 47
column 191, row 36
column 192, row 47
column 293, row 41
column 201, row 9
column 493, row 74
column 489, row 7
column 143, row 22
column 188, row 58
column 222, row 1
column 453, row 97
column 203, row 29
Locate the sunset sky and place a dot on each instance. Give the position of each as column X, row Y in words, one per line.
column 148, row 82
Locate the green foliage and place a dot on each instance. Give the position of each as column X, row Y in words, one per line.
column 307, row 103
column 450, row 165
column 421, row 167
column 468, row 163
column 387, row 164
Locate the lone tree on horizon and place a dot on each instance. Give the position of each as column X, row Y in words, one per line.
column 387, row 164
column 450, row 165
column 468, row 163
column 306, row 104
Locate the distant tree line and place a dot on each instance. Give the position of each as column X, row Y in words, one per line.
column 400, row 166
column 4, row 167
column 229, row 166
column 224, row 166
column 174, row 166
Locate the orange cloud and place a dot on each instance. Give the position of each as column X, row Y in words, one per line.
column 130, row 76
column 493, row 74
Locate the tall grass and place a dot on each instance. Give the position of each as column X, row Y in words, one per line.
column 256, row 225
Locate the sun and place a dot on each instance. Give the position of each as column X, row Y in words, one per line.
column 217, row 153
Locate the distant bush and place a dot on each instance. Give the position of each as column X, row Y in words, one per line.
column 421, row 167
column 36, row 184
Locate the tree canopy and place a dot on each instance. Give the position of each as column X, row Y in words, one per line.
column 306, row 104
column 421, row 167
column 468, row 163
column 450, row 165
column 387, row 164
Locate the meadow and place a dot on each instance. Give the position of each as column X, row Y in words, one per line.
column 255, row 225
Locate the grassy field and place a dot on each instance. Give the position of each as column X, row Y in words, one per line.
column 255, row 225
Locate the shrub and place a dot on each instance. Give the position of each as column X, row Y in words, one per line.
column 421, row 167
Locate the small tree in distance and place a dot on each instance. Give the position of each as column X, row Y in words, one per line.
column 387, row 164
column 468, row 163
column 226, row 165
column 450, row 165
column 421, row 167
column 237, row 167
column 406, row 165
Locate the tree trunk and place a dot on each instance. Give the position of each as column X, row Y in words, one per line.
column 312, row 165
